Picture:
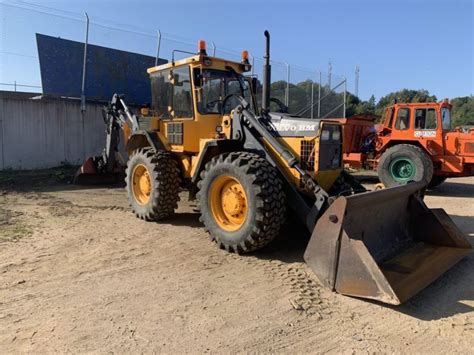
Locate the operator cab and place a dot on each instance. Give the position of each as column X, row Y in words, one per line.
column 200, row 85
column 193, row 98
column 418, row 119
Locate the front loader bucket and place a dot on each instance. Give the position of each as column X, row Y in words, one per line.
column 88, row 174
column 384, row 245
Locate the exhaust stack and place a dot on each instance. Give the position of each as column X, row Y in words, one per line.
column 267, row 70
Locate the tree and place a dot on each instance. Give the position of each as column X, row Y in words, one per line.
column 463, row 111
column 331, row 103
column 404, row 95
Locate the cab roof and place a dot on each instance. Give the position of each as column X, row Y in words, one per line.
column 202, row 59
column 421, row 104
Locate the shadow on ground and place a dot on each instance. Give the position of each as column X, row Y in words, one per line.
column 189, row 219
column 453, row 189
column 45, row 180
column 445, row 297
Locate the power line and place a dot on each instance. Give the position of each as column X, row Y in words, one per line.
column 41, row 12
column 18, row 54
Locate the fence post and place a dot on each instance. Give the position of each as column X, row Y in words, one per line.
column 158, row 47
column 84, row 66
column 319, row 94
column 213, row 49
column 2, row 154
column 287, row 96
column 345, row 90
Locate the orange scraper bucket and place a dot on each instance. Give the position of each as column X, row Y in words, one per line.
column 384, row 245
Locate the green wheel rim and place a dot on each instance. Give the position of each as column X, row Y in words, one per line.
column 402, row 169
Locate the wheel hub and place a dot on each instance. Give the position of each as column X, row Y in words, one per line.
column 233, row 201
column 402, row 169
column 141, row 182
column 228, row 203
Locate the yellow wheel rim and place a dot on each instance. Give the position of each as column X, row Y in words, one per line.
column 141, row 183
column 228, row 203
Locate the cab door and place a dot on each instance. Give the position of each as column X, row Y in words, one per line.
column 183, row 126
column 427, row 129
column 402, row 125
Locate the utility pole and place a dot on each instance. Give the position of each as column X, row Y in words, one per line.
column 357, row 71
column 84, row 66
column 329, row 74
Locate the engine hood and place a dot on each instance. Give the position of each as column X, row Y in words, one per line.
column 293, row 126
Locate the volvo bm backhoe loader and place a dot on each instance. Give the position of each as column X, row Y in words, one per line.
column 246, row 166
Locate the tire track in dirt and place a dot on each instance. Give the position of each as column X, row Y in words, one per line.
column 119, row 284
column 302, row 290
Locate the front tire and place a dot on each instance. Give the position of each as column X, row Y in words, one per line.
column 436, row 181
column 403, row 163
column 242, row 201
column 153, row 181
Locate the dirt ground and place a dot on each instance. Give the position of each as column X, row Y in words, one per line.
column 79, row 273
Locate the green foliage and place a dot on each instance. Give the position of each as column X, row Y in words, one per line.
column 300, row 99
column 463, row 111
column 405, row 95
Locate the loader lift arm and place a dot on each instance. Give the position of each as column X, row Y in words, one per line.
column 252, row 130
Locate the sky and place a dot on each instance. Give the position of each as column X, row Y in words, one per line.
column 413, row 44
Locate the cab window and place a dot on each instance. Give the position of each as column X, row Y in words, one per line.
column 446, row 118
column 389, row 116
column 403, row 119
column 171, row 91
column 216, row 85
column 425, row 118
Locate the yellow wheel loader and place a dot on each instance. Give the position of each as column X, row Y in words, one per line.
column 248, row 167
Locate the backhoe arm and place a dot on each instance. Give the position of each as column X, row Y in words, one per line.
column 106, row 168
column 116, row 115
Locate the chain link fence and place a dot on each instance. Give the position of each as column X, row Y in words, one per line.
column 306, row 92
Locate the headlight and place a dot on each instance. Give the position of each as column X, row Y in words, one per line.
column 325, row 135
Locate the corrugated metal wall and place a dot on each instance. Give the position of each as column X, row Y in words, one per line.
column 42, row 134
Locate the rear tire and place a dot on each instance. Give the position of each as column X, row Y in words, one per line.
column 436, row 180
column 403, row 163
column 153, row 182
column 242, row 201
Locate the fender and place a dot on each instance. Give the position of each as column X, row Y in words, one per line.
column 142, row 138
column 210, row 150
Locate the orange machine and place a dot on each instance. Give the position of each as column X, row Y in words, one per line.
column 415, row 141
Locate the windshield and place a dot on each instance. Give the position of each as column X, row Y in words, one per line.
column 216, row 86
column 446, row 118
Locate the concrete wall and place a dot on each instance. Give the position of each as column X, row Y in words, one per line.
column 44, row 133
